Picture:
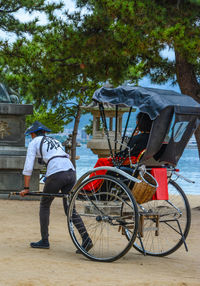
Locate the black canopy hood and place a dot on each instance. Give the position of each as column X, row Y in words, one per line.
column 148, row 100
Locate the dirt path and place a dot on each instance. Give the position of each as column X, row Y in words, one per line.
column 60, row 266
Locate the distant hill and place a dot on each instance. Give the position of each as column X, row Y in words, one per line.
column 86, row 117
column 83, row 122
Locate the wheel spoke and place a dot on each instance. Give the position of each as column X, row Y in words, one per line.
column 102, row 216
column 173, row 223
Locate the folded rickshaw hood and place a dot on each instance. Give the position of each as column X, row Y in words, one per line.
column 148, row 100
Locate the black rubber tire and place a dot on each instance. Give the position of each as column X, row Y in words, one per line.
column 104, row 218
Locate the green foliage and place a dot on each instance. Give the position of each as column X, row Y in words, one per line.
column 47, row 70
column 66, row 60
column 89, row 127
column 9, row 20
column 195, row 2
column 142, row 29
column 50, row 118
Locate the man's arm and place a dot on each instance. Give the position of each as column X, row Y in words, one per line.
column 26, row 186
column 28, row 166
column 133, row 142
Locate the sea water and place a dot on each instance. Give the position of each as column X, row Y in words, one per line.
column 189, row 167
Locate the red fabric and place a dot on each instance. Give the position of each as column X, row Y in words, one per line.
column 160, row 174
column 94, row 185
column 100, row 163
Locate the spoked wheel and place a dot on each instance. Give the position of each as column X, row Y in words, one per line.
column 163, row 225
column 96, row 210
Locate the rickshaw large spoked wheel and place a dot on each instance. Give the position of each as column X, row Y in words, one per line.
column 97, row 203
column 164, row 225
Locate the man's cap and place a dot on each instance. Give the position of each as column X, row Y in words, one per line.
column 36, row 126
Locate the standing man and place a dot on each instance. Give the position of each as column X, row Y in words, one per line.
column 60, row 175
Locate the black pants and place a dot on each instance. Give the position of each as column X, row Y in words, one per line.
column 63, row 181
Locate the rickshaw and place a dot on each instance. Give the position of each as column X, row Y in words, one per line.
column 138, row 204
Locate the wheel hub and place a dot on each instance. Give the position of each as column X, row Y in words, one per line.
column 105, row 218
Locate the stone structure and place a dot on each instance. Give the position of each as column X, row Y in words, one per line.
column 8, row 95
column 99, row 143
column 12, row 147
column 68, row 145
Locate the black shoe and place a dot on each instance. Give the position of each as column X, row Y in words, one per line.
column 40, row 244
column 87, row 245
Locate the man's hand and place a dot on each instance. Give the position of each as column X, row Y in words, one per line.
column 23, row 193
column 136, row 132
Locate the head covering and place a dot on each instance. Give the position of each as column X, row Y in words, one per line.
column 35, row 127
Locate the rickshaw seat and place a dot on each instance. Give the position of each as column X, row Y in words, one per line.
column 96, row 184
column 160, row 174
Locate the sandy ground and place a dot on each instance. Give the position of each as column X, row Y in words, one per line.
column 21, row 265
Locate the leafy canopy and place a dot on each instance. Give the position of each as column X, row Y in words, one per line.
column 143, row 29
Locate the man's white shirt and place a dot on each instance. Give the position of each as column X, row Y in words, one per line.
column 50, row 148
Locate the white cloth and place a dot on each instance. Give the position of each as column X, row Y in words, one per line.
column 50, row 147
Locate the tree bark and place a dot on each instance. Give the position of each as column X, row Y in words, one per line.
column 188, row 84
column 74, row 136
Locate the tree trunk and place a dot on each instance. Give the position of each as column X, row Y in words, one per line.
column 74, row 136
column 188, row 84
column 197, row 136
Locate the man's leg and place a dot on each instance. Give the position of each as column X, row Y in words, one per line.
column 44, row 214
column 70, row 179
column 51, row 186
column 76, row 220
